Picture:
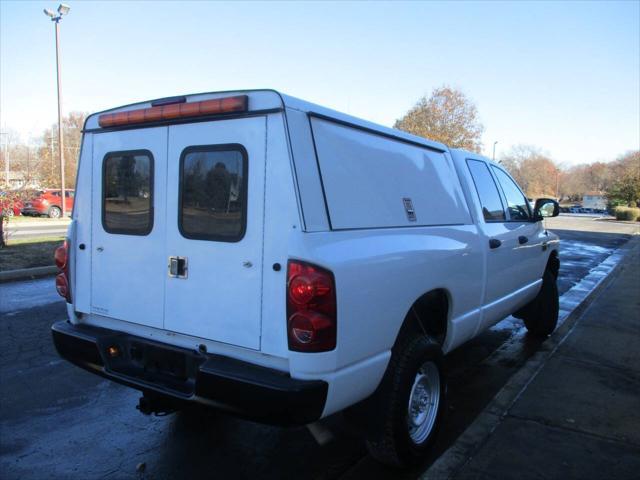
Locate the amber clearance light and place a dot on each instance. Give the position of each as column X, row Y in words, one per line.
column 175, row 111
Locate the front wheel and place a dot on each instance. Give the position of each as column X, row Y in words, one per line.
column 407, row 409
column 541, row 315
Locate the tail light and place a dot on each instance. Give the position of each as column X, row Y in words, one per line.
column 311, row 308
column 61, row 257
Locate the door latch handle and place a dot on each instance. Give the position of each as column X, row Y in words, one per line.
column 177, row 267
column 494, row 243
column 522, row 239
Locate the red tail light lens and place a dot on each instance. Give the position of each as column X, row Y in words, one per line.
column 62, row 285
column 61, row 257
column 311, row 308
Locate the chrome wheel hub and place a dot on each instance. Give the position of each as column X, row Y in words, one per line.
column 424, row 401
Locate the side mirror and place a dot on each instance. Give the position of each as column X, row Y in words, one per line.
column 545, row 207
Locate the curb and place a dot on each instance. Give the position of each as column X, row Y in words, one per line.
column 25, row 273
column 472, row 439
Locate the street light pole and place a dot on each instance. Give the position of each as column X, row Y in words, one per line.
column 494, row 150
column 63, row 201
column 62, row 10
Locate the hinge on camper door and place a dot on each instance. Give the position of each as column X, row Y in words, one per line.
column 178, row 267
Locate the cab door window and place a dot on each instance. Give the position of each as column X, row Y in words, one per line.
column 517, row 204
column 492, row 208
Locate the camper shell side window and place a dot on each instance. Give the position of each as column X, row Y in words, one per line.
column 213, row 192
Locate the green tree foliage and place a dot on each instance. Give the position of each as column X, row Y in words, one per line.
column 625, row 187
column 447, row 116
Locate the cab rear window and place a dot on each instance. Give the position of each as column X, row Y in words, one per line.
column 127, row 192
column 213, row 193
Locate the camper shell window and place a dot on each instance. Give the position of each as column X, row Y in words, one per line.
column 127, row 192
column 213, row 192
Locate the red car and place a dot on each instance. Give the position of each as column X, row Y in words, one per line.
column 48, row 203
column 9, row 208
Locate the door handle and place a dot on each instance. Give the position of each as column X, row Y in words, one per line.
column 522, row 239
column 177, row 267
column 494, row 243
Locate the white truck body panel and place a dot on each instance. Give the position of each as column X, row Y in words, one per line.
column 366, row 177
column 323, row 188
column 126, row 283
column 220, row 298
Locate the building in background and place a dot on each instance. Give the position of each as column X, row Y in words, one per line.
column 19, row 180
column 594, row 200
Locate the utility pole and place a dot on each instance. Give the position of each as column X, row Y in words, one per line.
column 62, row 10
column 6, row 157
column 494, row 150
column 52, row 154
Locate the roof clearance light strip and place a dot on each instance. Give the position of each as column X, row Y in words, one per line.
column 235, row 104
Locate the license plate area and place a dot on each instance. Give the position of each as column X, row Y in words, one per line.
column 159, row 365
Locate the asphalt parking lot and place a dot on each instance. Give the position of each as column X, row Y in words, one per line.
column 57, row 421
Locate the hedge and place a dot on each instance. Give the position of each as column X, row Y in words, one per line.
column 627, row 213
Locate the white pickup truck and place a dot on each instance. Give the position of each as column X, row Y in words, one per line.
column 259, row 254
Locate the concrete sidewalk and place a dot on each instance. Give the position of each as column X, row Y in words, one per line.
column 579, row 414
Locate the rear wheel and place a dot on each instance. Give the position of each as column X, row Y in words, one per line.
column 407, row 409
column 541, row 315
column 55, row 212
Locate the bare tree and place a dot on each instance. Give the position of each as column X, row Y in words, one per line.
column 447, row 116
column 50, row 165
column 534, row 171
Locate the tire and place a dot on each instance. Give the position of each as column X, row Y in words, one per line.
column 406, row 411
column 55, row 212
column 7, row 212
column 541, row 315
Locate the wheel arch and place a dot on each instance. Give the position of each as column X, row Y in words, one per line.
column 428, row 315
column 553, row 263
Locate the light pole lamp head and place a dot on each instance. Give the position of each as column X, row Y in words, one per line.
column 63, row 9
column 49, row 13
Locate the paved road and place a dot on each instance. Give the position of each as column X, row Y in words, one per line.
column 57, row 421
column 20, row 229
